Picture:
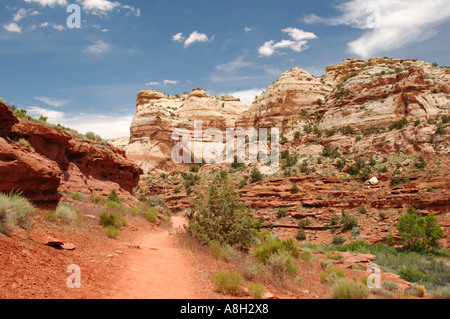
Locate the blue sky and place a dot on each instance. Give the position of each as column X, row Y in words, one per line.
column 87, row 78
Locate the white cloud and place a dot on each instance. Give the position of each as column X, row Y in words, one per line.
column 133, row 10
column 23, row 13
column 12, row 27
column 53, row 25
column 400, row 22
column 152, row 83
column 178, row 37
column 49, row 3
column 53, row 116
column 99, row 6
column 298, row 42
column 51, row 101
column 248, row 29
column 234, row 65
column 98, row 47
column 171, row 82
column 195, row 37
column 107, row 126
column 246, row 96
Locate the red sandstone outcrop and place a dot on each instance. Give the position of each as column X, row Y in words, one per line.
column 55, row 163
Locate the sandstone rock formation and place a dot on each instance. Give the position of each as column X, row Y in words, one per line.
column 157, row 115
column 51, row 162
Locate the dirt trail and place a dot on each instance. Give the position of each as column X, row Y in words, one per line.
column 159, row 269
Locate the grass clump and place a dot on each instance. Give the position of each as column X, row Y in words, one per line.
column 228, row 282
column 343, row 289
column 14, row 211
column 66, row 211
column 256, row 290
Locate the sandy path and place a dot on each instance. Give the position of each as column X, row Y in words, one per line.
column 158, row 270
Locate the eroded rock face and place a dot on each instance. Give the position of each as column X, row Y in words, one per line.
column 380, row 91
column 54, row 162
column 296, row 91
column 158, row 115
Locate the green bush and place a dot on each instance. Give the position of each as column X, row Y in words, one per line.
column 282, row 264
column 77, row 196
column 390, row 286
column 295, row 189
column 338, row 240
column 228, row 282
column 255, row 175
column 273, row 246
column 113, row 196
column 343, row 289
column 348, row 222
column 301, row 235
column 151, row 216
column 111, row 232
column 418, row 232
column 222, row 218
column 112, row 219
column 282, row 212
column 256, row 290
column 194, row 168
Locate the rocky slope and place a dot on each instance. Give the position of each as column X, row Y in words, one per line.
column 384, row 120
column 43, row 162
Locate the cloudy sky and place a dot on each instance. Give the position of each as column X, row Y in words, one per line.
column 87, row 78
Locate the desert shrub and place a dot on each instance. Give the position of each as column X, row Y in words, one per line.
column 97, row 199
column 24, row 142
column 331, row 275
column 362, row 209
column 398, row 125
column 225, row 252
column 112, row 219
column 14, row 210
column 194, row 168
column 190, row 179
column 338, row 240
column 90, row 136
column 113, row 196
column 418, row 232
column 328, row 151
column 111, row 232
column 282, row 212
column 222, row 218
column 281, row 264
column 301, row 235
column 442, row 292
column 356, row 231
column 348, row 222
column 66, row 211
column 77, row 196
column 390, row 286
column 256, row 290
column 295, row 189
column 228, row 282
column 352, row 170
column 159, row 202
column 273, row 246
column 151, row 216
column 416, row 291
column 421, row 163
column 343, row 289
